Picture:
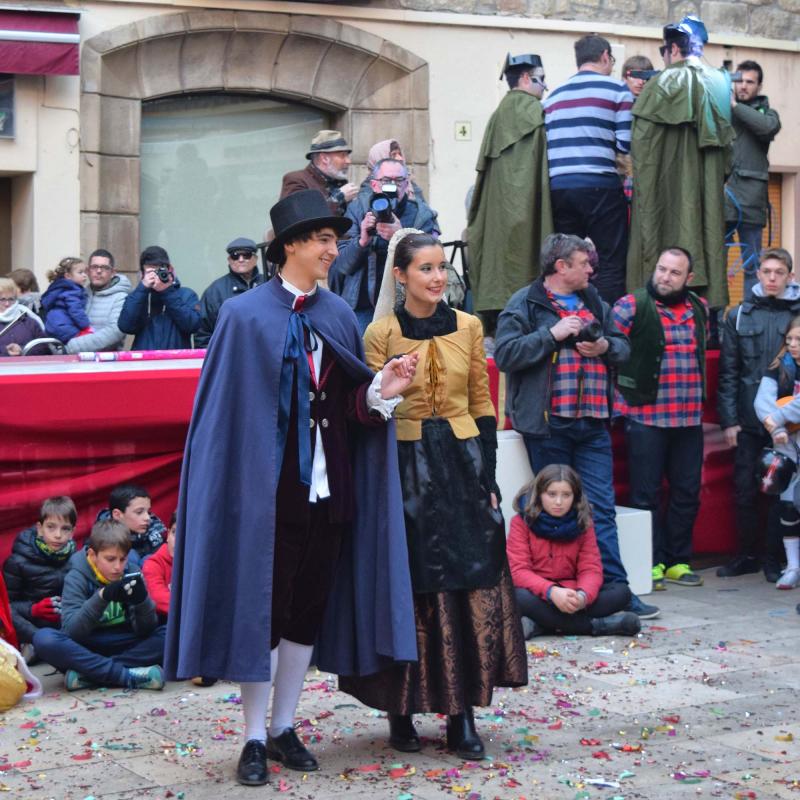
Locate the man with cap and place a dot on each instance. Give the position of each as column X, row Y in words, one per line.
column 242, row 275
column 329, row 158
column 161, row 313
column 290, row 519
column 506, row 227
column 681, row 141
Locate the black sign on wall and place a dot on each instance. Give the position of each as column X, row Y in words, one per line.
column 6, row 106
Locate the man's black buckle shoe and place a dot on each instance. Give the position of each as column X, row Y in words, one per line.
column 252, row 767
column 291, row 752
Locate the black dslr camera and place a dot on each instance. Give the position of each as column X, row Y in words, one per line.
column 590, row 332
column 164, row 274
column 381, row 203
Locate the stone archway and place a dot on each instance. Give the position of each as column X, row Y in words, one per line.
column 373, row 88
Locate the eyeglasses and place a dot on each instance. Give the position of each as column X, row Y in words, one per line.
column 100, row 267
column 8, row 301
column 612, row 59
column 236, row 255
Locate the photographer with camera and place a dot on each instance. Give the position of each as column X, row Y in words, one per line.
column 161, row 313
column 556, row 341
column 357, row 272
column 662, row 389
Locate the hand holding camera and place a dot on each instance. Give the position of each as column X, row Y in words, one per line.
column 129, row 589
column 158, row 278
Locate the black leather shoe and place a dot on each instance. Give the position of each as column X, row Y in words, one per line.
column 252, row 767
column 462, row 736
column 291, row 752
column 402, row 734
column 741, row 565
column 772, row 571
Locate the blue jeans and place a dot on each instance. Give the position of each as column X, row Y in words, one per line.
column 750, row 245
column 585, row 445
column 105, row 656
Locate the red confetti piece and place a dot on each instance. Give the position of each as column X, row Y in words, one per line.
column 590, row 742
column 601, row 754
column 674, row 719
column 83, row 756
column 368, row 767
column 398, row 772
column 556, row 726
column 15, row 765
column 283, row 786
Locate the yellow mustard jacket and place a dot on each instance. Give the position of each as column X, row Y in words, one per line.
column 451, row 379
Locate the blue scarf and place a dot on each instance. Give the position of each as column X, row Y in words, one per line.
column 557, row 529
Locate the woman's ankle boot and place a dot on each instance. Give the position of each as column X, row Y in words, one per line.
column 402, row 733
column 462, row 736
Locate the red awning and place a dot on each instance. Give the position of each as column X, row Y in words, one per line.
column 39, row 42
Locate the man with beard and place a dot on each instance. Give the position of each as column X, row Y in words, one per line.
column 662, row 388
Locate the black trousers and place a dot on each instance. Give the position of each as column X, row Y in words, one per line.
column 748, row 519
column 613, row 597
column 306, row 552
column 602, row 215
column 676, row 453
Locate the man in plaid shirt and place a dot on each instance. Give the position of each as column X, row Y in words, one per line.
column 555, row 342
column 661, row 393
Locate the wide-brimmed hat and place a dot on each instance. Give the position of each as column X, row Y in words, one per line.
column 298, row 213
column 328, row 142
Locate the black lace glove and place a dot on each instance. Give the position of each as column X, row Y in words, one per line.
column 487, row 436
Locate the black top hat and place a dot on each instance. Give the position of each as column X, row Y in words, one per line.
column 529, row 60
column 298, row 213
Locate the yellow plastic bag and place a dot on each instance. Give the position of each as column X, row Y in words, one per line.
column 16, row 680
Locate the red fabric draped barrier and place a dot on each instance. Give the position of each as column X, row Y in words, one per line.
column 83, row 434
column 39, row 43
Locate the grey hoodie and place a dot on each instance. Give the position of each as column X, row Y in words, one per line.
column 103, row 310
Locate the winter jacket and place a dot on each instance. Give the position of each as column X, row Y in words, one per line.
column 157, row 571
column 312, row 178
column 82, row 607
column 525, row 348
column 357, row 271
column 26, row 327
column 537, row 564
column 746, row 198
column 215, row 295
column 32, row 575
column 753, row 334
column 103, row 309
column 161, row 320
column 143, row 544
column 64, row 305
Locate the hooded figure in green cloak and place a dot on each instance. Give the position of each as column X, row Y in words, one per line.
column 510, row 214
column 681, row 147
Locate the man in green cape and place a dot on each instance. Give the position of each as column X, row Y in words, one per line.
column 681, row 145
column 510, row 214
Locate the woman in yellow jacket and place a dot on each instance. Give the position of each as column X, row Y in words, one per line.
column 469, row 637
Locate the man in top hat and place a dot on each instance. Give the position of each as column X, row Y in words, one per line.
column 329, row 158
column 680, row 143
column 290, row 523
column 507, row 226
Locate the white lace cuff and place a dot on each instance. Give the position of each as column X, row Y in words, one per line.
column 385, row 407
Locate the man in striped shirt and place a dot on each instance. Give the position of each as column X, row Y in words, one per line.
column 587, row 122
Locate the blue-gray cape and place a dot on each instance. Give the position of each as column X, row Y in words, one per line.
column 219, row 620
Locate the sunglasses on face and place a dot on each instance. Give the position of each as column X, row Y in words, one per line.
column 238, row 254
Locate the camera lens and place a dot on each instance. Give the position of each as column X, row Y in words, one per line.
column 380, row 204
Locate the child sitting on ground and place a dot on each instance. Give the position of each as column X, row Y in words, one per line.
column 64, row 302
column 131, row 505
column 777, row 405
column 555, row 562
column 109, row 634
column 34, row 572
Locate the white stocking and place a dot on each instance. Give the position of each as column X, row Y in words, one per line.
column 255, row 702
column 288, row 679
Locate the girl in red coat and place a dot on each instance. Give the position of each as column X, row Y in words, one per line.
column 555, row 563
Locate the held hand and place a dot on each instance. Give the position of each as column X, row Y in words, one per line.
column 397, row 375
column 349, row 190
column 388, row 229
column 770, row 424
column 367, row 225
column 780, row 437
column 493, row 500
column 149, row 279
column 160, row 286
column 731, row 434
column 13, row 349
column 566, row 327
column 592, row 349
column 566, row 600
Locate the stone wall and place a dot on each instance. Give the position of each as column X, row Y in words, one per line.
column 773, row 19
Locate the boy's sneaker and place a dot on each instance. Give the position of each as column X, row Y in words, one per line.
column 658, row 578
column 642, row 610
column 74, row 681
column 683, row 575
column 789, row 580
column 146, row 678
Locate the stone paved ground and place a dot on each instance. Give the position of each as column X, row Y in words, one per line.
column 702, row 704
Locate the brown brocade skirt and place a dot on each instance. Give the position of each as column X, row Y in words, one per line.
column 468, row 642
